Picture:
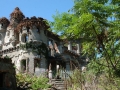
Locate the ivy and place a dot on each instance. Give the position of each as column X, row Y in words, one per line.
column 38, row 48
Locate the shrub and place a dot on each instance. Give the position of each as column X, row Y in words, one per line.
column 28, row 82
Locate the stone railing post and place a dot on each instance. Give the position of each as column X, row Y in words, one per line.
column 69, row 45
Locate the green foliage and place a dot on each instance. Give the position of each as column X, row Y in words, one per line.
column 76, row 79
column 39, row 49
column 40, row 83
column 97, row 24
column 35, row 82
column 89, row 20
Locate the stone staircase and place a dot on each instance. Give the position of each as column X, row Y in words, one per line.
column 58, row 84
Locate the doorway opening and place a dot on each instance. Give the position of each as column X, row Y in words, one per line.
column 1, row 78
column 23, row 66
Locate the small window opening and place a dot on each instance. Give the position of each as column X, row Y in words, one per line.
column 27, row 29
column 38, row 30
column 50, row 42
column 25, row 38
column 1, row 24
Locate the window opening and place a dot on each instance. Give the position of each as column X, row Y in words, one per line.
column 23, row 62
column 50, row 42
column 1, row 24
column 36, row 63
column 26, row 38
column 38, row 30
column 28, row 29
column 1, row 79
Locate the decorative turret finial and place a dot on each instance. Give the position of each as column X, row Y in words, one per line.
column 4, row 21
column 17, row 14
column 17, row 8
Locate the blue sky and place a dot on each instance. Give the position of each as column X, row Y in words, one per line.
column 38, row 8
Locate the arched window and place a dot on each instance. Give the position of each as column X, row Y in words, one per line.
column 24, row 38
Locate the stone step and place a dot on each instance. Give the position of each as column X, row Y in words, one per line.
column 62, row 85
column 61, row 88
column 59, row 84
column 57, row 80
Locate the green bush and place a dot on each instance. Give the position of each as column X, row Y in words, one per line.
column 33, row 82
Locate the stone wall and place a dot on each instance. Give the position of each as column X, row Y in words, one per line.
column 7, row 74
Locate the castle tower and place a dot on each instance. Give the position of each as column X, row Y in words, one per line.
column 32, row 29
column 11, row 36
column 4, row 22
column 15, row 17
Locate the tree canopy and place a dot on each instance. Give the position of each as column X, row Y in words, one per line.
column 97, row 24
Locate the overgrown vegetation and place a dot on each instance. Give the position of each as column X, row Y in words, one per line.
column 27, row 82
column 97, row 24
column 40, row 48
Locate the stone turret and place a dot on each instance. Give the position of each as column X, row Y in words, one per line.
column 31, row 29
column 16, row 16
column 4, row 22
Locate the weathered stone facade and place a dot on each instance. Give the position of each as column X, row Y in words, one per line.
column 32, row 46
column 7, row 74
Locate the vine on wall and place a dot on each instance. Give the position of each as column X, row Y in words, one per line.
column 38, row 48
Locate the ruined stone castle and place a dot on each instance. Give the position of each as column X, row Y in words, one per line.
column 33, row 48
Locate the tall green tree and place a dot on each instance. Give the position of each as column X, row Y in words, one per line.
column 97, row 23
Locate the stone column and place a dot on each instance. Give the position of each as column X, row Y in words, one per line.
column 50, row 72
column 20, row 35
column 69, row 45
column 27, row 64
column 78, row 48
column 43, row 65
column 31, row 63
column 18, row 66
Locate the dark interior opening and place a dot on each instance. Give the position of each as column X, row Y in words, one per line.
column 54, row 62
column 23, row 65
column 1, row 24
column 1, row 78
column 27, row 29
column 36, row 63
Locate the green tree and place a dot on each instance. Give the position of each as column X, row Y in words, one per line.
column 90, row 20
column 97, row 23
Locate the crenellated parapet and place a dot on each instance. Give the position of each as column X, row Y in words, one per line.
column 5, row 21
column 30, row 22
